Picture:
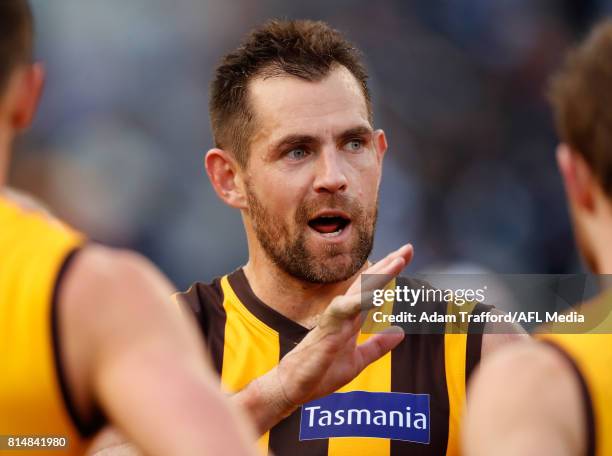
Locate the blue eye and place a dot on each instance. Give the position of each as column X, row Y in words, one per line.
column 297, row 154
column 354, row 145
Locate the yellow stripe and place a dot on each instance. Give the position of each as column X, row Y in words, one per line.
column 375, row 377
column 455, row 346
column 243, row 363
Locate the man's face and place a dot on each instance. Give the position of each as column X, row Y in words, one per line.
column 313, row 174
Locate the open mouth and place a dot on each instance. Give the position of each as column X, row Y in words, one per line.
column 329, row 225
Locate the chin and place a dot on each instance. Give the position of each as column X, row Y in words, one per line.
column 340, row 267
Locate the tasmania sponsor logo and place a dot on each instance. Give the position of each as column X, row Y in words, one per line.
column 397, row 416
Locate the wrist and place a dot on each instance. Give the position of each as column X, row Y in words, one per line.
column 272, row 392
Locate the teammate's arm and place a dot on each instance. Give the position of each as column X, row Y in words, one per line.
column 328, row 357
column 497, row 335
column 524, row 400
column 129, row 352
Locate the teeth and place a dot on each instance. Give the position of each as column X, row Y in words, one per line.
column 334, row 234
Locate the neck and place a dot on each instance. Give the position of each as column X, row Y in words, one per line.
column 599, row 231
column 604, row 252
column 296, row 299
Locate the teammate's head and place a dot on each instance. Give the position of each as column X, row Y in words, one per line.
column 292, row 122
column 581, row 95
column 20, row 79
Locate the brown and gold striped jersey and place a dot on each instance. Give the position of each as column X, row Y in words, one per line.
column 408, row 402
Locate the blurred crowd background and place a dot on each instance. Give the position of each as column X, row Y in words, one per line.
column 458, row 85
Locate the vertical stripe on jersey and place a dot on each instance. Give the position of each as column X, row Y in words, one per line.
column 216, row 340
column 474, row 341
column 418, row 367
column 239, row 364
column 286, row 434
column 376, row 378
column 454, row 347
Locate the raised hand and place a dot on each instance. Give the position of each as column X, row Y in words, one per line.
column 329, row 356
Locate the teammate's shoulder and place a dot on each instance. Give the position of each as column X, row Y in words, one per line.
column 24, row 201
column 202, row 295
column 535, row 361
column 107, row 266
column 28, row 219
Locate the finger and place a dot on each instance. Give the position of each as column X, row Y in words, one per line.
column 404, row 252
column 379, row 344
column 392, row 264
column 380, row 279
column 348, row 306
column 359, row 296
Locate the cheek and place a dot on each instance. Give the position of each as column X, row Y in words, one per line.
column 367, row 179
column 283, row 193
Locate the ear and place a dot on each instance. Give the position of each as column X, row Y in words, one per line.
column 580, row 183
column 380, row 144
column 225, row 177
column 28, row 89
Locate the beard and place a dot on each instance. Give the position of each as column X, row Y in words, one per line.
column 288, row 248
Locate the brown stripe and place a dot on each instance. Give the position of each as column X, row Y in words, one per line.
column 206, row 303
column 284, row 326
column 85, row 428
column 474, row 341
column 216, row 329
column 284, row 437
column 417, row 366
column 586, row 399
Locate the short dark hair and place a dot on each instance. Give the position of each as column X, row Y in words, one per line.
column 16, row 36
column 581, row 95
column 302, row 48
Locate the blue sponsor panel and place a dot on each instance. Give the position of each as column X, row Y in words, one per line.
column 397, row 416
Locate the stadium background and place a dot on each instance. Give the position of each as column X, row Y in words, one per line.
column 458, row 86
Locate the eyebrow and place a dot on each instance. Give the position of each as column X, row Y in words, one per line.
column 361, row 131
column 299, row 140
column 295, row 140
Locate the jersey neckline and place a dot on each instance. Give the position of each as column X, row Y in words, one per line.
column 280, row 323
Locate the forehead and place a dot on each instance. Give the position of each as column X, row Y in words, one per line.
column 287, row 104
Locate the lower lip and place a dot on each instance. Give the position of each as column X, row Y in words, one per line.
column 333, row 238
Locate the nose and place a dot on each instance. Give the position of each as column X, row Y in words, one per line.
column 330, row 174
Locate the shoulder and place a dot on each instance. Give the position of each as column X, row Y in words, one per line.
column 97, row 263
column 28, row 228
column 201, row 295
column 527, row 372
column 527, row 390
column 26, row 214
column 205, row 302
column 534, row 360
column 26, row 202
column 497, row 335
column 108, row 276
